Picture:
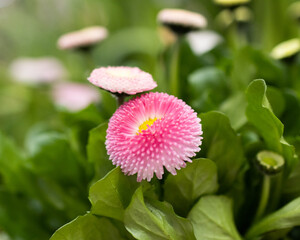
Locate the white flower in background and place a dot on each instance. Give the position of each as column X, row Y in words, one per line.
column 37, row 70
column 74, row 96
column 203, row 41
column 83, row 38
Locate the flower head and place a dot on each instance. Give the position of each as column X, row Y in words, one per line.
column 181, row 21
column 37, row 70
column 153, row 131
column 128, row 80
column 83, row 38
column 231, row 2
column 203, row 41
column 74, row 96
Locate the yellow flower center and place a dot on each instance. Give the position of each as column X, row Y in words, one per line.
column 146, row 124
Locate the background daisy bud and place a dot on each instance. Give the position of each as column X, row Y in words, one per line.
column 82, row 39
column 181, row 21
column 74, row 96
column 231, row 3
column 286, row 49
column 37, row 70
column 153, row 131
column 270, row 162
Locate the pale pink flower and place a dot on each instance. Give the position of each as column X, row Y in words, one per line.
column 82, row 38
column 153, row 131
column 74, row 96
column 37, row 70
column 181, row 21
column 202, row 42
column 128, row 80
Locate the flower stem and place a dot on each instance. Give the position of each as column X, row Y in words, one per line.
column 264, row 197
column 120, row 99
column 174, row 70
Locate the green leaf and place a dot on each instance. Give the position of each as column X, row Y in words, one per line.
column 21, row 217
column 11, row 164
column 234, row 108
column 212, row 218
column 148, row 219
column 286, row 217
column 222, row 145
column 261, row 116
column 112, row 194
column 96, row 151
column 276, row 99
column 87, row 227
column 208, row 88
column 197, row 179
column 49, row 152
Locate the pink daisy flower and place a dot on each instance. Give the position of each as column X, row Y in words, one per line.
column 153, row 131
column 82, row 38
column 128, row 80
column 35, row 71
column 74, row 96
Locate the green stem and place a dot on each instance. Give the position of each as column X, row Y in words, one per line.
column 174, row 70
column 264, row 197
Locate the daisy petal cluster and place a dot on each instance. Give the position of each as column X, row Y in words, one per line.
column 181, row 21
column 82, row 38
column 74, row 96
column 153, row 131
column 122, row 80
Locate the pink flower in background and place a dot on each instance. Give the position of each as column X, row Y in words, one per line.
column 37, row 70
column 82, row 38
column 181, row 21
column 74, row 96
column 128, row 80
column 153, row 131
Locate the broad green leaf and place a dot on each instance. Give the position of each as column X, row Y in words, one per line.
column 21, row 217
column 286, row 217
column 212, row 218
column 50, row 152
column 250, row 63
column 145, row 42
column 261, row 116
column 87, row 227
column 112, row 194
column 222, row 145
column 11, row 164
column 208, row 88
column 148, row 219
column 234, row 108
column 97, row 152
column 276, row 99
column 197, row 179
